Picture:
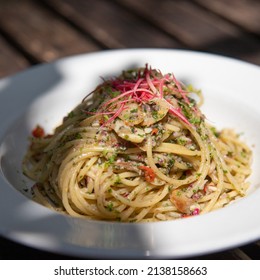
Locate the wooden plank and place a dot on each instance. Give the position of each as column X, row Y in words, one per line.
column 11, row 250
column 233, row 254
column 252, row 250
column 197, row 28
column 245, row 13
column 112, row 25
column 14, row 251
column 11, row 61
column 182, row 19
column 38, row 32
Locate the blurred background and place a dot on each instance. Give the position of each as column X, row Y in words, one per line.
column 34, row 32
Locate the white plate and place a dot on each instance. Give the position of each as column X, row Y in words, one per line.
column 44, row 94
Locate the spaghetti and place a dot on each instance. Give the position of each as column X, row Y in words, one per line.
column 137, row 149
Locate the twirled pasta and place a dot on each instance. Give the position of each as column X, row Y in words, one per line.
column 139, row 149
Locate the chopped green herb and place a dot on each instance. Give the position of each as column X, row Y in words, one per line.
column 178, row 193
column 112, row 158
column 127, row 157
column 134, row 110
column 230, row 154
column 214, row 131
column 118, row 180
column 71, row 114
column 115, row 93
column 243, row 154
column 155, row 115
column 106, row 117
column 78, row 136
column 181, row 141
column 110, row 206
column 195, row 120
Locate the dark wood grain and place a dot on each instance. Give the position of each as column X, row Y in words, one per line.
column 183, row 20
column 40, row 33
column 111, row 25
column 11, row 61
column 245, row 13
column 24, row 252
column 197, row 28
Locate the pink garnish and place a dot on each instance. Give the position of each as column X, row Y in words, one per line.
column 117, row 113
column 150, row 83
column 177, row 113
column 181, row 91
column 196, row 211
column 143, row 89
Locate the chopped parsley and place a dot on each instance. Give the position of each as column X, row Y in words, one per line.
column 155, row 115
column 214, row 131
column 71, row 114
column 134, row 110
column 112, row 158
column 110, row 206
column 118, row 180
column 181, row 141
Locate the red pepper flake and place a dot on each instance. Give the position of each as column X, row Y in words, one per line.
column 125, row 194
column 38, row 132
column 154, row 131
column 149, row 174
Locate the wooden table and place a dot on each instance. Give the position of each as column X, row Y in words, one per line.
column 33, row 32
